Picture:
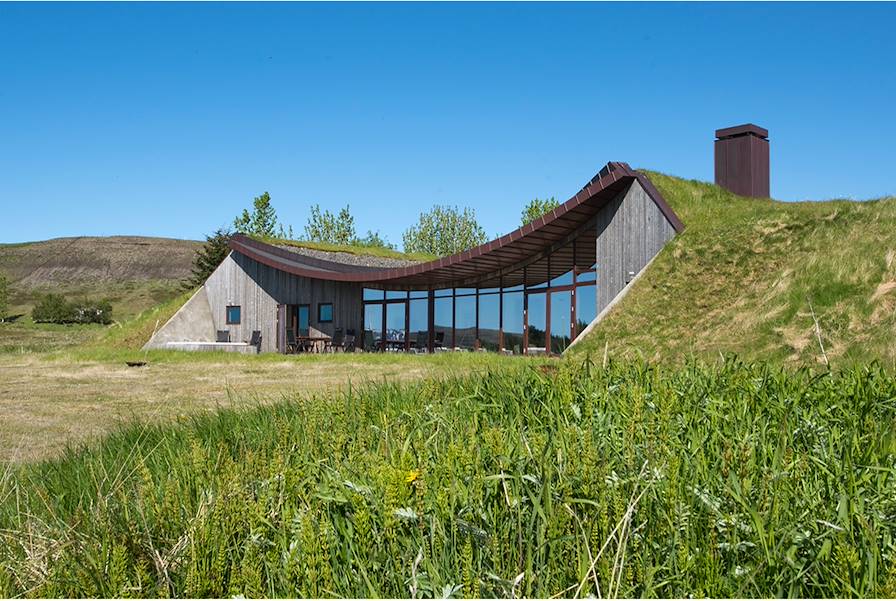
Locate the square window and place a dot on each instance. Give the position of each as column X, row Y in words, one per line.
column 233, row 315
column 324, row 312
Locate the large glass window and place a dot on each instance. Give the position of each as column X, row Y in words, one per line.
column 371, row 294
column 513, row 322
column 444, row 320
column 537, row 323
column 489, row 321
column 465, row 322
column 586, row 307
column 395, row 333
column 561, row 313
column 373, row 327
column 562, row 280
column 419, row 321
column 586, row 276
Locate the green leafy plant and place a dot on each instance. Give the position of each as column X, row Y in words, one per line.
column 444, row 230
column 262, row 221
column 54, row 308
column 332, row 229
column 210, row 256
column 536, row 208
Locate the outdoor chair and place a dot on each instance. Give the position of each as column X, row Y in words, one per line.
column 336, row 341
column 349, row 345
column 291, row 345
column 369, row 341
column 440, row 340
column 256, row 339
column 422, row 341
column 223, row 336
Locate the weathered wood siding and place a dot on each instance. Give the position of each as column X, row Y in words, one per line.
column 258, row 289
column 631, row 230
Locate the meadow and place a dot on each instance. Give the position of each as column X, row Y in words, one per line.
column 67, row 398
column 557, row 479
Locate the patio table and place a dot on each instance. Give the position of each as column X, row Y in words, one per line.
column 315, row 343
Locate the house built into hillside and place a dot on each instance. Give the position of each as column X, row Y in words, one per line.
column 531, row 291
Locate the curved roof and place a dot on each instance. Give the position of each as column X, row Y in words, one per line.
column 539, row 250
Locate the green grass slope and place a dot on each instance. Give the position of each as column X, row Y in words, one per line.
column 560, row 481
column 746, row 276
column 352, row 249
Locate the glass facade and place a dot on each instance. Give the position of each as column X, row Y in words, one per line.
column 539, row 317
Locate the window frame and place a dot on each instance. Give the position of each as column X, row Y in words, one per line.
column 321, row 306
column 239, row 317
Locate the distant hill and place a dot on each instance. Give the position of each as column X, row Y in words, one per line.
column 134, row 272
column 747, row 275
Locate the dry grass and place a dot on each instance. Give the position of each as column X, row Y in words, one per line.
column 49, row 403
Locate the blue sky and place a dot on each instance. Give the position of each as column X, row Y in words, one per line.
column 166, row 119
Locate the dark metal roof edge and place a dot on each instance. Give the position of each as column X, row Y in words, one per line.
column 607, row 178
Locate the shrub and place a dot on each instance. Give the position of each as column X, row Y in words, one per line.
column 53, row 308
column 93, row 312
column 212, row 254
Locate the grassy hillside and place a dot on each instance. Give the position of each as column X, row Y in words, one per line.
column 729, row 481
column 138, row 275
column 135, row 273
column 746, row 276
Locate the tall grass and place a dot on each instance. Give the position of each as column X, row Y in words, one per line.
column 733, row 480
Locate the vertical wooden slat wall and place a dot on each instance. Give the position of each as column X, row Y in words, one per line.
column 631, row 230
column 258, row 289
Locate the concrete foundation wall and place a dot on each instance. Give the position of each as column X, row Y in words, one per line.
column 192, row 322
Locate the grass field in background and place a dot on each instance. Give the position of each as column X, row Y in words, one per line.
column 49, row 401
column 561, row 479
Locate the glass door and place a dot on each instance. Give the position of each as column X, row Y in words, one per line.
column 303, row 323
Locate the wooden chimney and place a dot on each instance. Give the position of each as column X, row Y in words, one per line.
column 742, row 160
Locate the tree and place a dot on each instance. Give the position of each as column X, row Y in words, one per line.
column 333, row 229
column 262, row 221
column 373, row 240
column 444, row 231
column 536, row 208
column 207, row 258
column 4, row 297
column 53, row 308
